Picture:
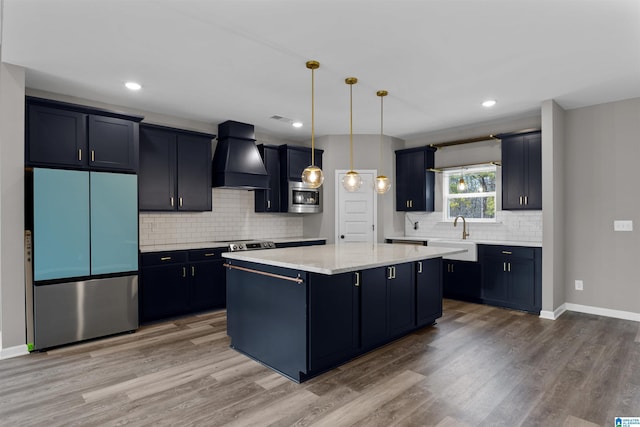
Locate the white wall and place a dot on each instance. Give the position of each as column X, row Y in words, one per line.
column 12, row 288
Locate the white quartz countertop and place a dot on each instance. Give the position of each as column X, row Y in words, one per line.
column 342, row 258
column 218, row 244
column 478, row 241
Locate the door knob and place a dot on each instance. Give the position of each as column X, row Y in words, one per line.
column 342, row 236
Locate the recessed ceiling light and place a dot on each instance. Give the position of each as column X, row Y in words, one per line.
column 489, row 103
column 296, row 124
column 133, row 86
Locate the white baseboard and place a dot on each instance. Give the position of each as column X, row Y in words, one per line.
column 18, row 350
column 618, row 314
column 553, row 315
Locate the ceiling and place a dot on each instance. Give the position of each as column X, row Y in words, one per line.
column 245, row 60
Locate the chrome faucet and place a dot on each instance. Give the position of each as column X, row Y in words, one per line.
column 465, row 234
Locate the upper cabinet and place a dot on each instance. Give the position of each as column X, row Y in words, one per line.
column 522, row 171
column 77, row 137
column 414, row 183
column 294, row 159
column 175, row 169
column 269, row 200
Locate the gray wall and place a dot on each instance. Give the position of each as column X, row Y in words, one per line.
column 602, row 153
column 366, row 153
column 553, row 205
column 12, row 296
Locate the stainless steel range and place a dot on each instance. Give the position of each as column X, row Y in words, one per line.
column 250, row 245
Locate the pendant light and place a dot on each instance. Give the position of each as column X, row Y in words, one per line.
column 383, row 184
column 352, row 179
column 312, row 175
column 462, row 186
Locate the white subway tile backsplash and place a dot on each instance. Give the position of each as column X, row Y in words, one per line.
column 232, row 218
column 522, row 226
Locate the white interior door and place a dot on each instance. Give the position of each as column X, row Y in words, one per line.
column 357, row 212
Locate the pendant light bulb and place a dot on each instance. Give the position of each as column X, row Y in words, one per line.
column 462, row 186
column 352, row 181
column 312, row 175
column 383, row 183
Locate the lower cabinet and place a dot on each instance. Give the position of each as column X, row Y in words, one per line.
column 387, row 296
column 428, row 291
column 181, row 282
column 512, row 276
column 333, row 319
column 461, row 280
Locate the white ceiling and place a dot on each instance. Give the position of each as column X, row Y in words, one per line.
column 244, row 60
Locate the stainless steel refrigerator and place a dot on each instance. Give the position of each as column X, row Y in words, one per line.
column 82, row 255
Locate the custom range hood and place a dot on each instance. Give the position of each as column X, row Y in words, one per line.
column 236, row 161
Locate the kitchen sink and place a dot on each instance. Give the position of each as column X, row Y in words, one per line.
column 471, row 247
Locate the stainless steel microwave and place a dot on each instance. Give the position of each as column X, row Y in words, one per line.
column 303, row 199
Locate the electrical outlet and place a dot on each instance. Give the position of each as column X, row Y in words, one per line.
column 622, row 225
column 579, row 285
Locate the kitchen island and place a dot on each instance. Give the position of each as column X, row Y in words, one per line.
column 302, row 311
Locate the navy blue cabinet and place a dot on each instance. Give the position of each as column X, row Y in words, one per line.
column 66, row 135
column 387, row 303
column 428, row 291
column 414, row 183
column 293, row 160
column 461, row 280
column 522, row 171
column 333, row 319
column 175, row 169
column 181, row 282
column 269, row 200
column 512, row 276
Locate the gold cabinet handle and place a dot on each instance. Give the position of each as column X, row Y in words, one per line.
column 79, row 154
column 184, row 271
column 93, row 156
column 509, row 267
column 180, row 201
column 507, row 252
column 193, row 271
column 526, row 200
column 419, row 266
column 520, row 200
column 171, row 201
column 268, row 204
column 504, row 266
column 357, row 279
column 210, row 254
column 165, row 258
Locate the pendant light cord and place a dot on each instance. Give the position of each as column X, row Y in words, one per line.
column 381, row 130
column 350, row 126
column 313, row 162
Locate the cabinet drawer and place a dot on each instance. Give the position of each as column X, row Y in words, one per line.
column 209, row 254
column 160, row 258
column 509, row 251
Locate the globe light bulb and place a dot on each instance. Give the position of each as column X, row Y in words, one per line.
column 312, row 176
column 382, row 184
column 352, row 181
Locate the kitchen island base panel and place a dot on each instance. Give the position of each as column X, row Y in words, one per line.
column 266, row 317
column 302, row 330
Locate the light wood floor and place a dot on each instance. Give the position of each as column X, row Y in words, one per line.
column 480, row 366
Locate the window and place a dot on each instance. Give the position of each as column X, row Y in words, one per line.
column 470, row 192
